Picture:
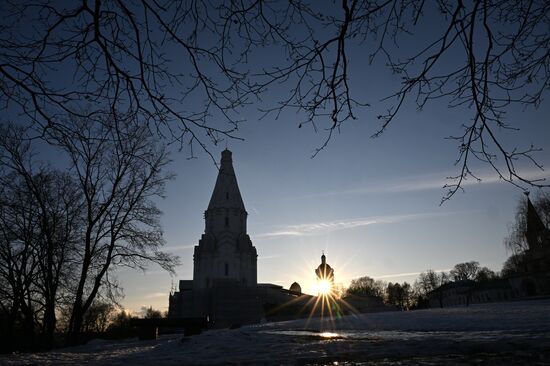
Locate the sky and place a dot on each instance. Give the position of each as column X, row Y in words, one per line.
column 371, row 204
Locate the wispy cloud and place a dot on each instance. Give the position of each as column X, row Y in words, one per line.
column 426, row 182
column 394, row 275
column 155, row 295
column 311, row 229
column 408, row 274
column 439, row 181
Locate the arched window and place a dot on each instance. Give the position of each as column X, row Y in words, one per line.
column 226, row 269
column 227, row 221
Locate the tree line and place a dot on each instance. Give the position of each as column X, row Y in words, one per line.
column 406, row 296
column 66, row 230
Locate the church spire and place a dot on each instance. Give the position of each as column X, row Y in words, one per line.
column 226, row 191
column 225, row 251
column 536, row 233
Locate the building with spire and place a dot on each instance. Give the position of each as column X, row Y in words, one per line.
column 537, row 236
column 224, row 285
column 324, row 272
column 225, row 254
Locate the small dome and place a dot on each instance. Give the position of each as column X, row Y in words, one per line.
column 295, row 287
column 324, row 271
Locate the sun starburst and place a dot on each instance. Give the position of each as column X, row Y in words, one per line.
column 324, row 287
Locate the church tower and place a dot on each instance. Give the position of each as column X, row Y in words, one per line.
column 225, row 255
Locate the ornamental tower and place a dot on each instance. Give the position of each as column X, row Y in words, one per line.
column 225, row 255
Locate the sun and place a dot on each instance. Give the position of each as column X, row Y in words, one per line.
column 324, row 287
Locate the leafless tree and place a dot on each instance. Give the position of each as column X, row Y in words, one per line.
column 98, row 317
column 465, row 271
column 119, row 169
column 431, row 282
column 38, row 220
column 484, row 275
column 149, row 312
column 399, row 295
column 366, row 286
column 18, row 262
column 184, row 65
column 65, row 234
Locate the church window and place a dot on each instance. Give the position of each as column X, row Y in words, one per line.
column 226, row 269
column 227, row 221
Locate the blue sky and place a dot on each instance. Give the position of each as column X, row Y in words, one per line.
column 373, row 205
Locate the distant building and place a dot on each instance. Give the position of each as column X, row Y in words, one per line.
column 324, row 272
column 363, row 304
column 295, row 287
column 325, row 277
column 468, row 292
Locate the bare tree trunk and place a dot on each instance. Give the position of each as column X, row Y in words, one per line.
column 77, row 314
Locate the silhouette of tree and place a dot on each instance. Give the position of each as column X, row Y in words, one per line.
column 149, row 312
column 183, row 65
column 516, row 263
column 366, row 286
column 465, row 271
column 98, row 317
column 120, row 324
column 484, row 275
column 38, row 223
column 431, row 282
column 18, row 262
column 399, row 295
column 119, row 169
column 69, row 232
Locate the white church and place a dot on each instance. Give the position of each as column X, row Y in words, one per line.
column 225, row 253
column 224, row 285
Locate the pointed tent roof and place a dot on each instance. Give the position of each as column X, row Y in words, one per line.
column 226, row 191
column 535, row 227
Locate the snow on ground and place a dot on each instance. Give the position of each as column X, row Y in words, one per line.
column 501, row 333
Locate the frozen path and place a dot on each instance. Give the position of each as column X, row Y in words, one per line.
column 503, row 333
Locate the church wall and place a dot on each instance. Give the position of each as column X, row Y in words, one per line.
column 222, row 220
column 241, row 267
